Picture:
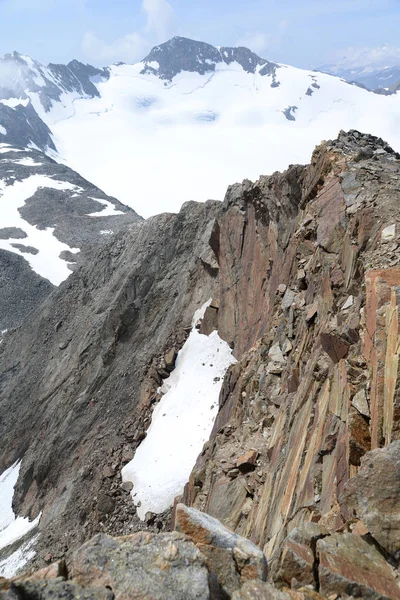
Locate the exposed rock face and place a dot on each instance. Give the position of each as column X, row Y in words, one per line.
column 350, row 565
column 22, row 126
column 20, row 72
column 292, row 249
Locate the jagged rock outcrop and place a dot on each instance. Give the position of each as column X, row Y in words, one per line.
column 309, row 272
column 304, row 271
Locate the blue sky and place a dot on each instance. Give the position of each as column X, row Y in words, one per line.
column 305, row 33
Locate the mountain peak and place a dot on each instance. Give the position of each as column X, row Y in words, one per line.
column 183, row 54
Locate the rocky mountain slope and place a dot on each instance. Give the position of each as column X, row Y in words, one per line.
column 49, row 214
column 134, row 130
column 302, row 269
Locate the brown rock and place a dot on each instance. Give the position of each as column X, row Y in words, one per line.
column 297, row 559
column 348, row 565
column 247, row 462
column 335, row 346
column 226, row 501
column 311, row 312
column 360, row 437
column 373, row 496
column 170, row 358
column 258, row 590
column 209, row 322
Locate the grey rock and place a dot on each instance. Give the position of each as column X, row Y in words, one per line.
column 54, row 590
column 258, row 590
column 138, row 291
column 232, row 558
column 144, row 565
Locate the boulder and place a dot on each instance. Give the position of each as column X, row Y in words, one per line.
column 373, row 496
column 230, row 557
column 350, row 566
column 298, row 555
column 247, row 461
column 143, row 565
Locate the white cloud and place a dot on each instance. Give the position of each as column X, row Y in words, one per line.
column 256, row 41
column 133, row 46
column 128, row 48
column 160, row 16
column 376, row 58
column 259, row 42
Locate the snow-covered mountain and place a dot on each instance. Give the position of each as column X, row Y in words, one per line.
column 48, row 213
column 188, row 119
column 387, row 78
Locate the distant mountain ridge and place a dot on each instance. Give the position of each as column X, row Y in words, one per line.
column 375, row 80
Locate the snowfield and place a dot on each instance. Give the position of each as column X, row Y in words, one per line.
column 155, row 144
column 181, row 423
column 13, row 528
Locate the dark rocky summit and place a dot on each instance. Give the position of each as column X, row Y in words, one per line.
column 303, row 461
column 182, row 54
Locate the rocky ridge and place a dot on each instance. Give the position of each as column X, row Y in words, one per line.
column 303, row 269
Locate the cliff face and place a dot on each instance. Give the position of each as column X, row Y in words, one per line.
column 304, row 271
column 308, row 294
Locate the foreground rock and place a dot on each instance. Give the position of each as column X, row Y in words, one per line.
column 210, row 563
column 144, row 565
column 232, row 558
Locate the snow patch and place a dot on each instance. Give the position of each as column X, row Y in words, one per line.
column 9, row 567
column 3, row 130
column 14, row 102
column 109, row 209
column 12, row 528
column 27, row 162
column 181, row 423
